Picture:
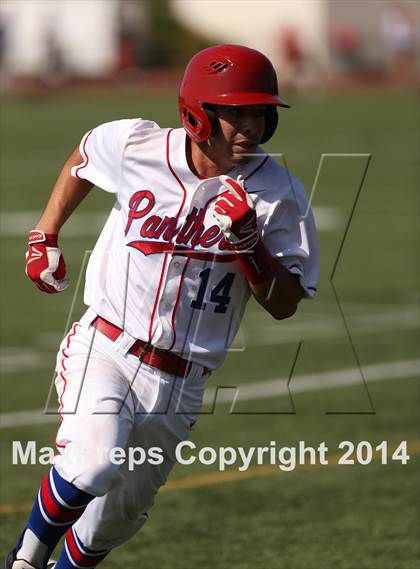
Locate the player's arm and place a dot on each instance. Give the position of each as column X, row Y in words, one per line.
column 280, row 292
column 44, row 261
column 66, row 195
column 275, row 288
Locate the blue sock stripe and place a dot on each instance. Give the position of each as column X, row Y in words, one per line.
column 68, row 492
column 49, row 519
column 74, row 554
column 56, row 497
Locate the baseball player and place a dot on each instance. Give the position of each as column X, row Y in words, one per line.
column 203, row 218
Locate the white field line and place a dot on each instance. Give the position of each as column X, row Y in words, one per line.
column 17, row 224
column 315, row 381
column 262, row 389
column 82, row 223
column 25, row 360
column 262, row 331
column 258, row 331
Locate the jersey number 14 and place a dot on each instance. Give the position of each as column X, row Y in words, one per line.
column 219, row 294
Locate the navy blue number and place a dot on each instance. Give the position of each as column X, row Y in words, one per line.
column 198, row 302
column 219, row 295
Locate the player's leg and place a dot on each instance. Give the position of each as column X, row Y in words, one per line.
column 114, row 518
column 57, row 506
column 97, row 416
column 111, row 520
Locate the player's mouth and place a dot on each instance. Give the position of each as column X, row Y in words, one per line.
column 243, row 147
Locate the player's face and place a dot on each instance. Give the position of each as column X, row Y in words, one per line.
column 240, row 132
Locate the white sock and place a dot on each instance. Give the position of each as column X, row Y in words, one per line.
column 32, row 550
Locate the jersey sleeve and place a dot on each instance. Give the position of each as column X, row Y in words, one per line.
column 289, row 234
column 102, row 150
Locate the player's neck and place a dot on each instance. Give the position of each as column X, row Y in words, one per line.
column 202, row 161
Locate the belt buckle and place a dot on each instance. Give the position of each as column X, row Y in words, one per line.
column 145, row 350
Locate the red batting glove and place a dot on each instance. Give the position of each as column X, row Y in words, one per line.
column 235, row 214
column 45, row 263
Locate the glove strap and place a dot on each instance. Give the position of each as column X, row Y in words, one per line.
column 246, row 244
column 38, row 236
column 257, row 265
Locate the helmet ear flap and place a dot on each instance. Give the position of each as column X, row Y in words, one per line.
column 201, row 122
column 195, row 121
column 271, row 120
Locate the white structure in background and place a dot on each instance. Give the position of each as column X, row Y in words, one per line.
column 260, row 24
column 83, row 35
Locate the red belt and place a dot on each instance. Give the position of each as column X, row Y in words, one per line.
column 162, row 359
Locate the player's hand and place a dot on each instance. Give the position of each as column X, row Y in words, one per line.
column 45, row 264
column 235, row 214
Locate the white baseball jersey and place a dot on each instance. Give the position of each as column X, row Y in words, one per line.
column 161, row 268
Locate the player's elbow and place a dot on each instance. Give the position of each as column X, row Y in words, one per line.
column 283, row 312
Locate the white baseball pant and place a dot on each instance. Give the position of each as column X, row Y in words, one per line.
column 109, row 400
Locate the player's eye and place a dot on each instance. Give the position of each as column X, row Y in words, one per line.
column 258, row 112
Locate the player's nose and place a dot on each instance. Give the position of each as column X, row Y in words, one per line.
column 250, row 125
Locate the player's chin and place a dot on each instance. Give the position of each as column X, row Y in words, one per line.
column 242, row 155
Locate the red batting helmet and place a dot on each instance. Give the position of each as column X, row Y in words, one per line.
column 227, row 75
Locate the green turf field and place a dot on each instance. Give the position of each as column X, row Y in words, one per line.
column 328, row 517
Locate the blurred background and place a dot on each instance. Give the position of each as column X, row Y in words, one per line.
column 350, row 70
column 313, row 43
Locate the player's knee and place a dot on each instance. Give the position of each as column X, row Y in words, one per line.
column 136, row 505
column 138, row 519
column 100, row 478
column 95, row 479
column 143, row 506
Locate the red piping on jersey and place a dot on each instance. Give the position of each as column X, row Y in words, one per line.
column 174, row 173
column 146, row 248
column 168, row 161
column 157, row 297
column 246, row 178
column 61, row 374
column 257, row 168
column 178, row 296
column 186, row 264
column 85, row 156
